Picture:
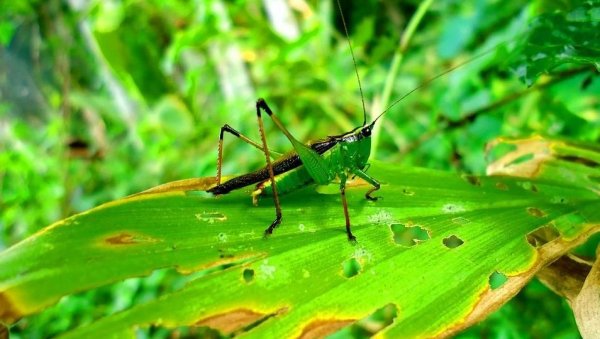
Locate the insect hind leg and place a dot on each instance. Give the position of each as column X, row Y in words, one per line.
column 234, row 132
column 260, row 104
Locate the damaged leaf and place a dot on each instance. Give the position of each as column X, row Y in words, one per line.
column 444, row 256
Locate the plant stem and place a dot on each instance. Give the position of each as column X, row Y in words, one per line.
column 393, row 73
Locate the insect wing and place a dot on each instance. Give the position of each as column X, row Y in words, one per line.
column 315, row 165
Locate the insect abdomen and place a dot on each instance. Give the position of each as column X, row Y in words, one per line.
column 286, row 182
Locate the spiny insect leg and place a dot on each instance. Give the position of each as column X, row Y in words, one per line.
column 261, row 105
column 231, row 130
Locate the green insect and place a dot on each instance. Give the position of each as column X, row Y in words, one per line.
column 322, row 162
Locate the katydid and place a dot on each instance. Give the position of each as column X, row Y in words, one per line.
column 319, row 162
column 322, row 162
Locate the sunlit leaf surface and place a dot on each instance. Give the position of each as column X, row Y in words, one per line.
column 438, row 251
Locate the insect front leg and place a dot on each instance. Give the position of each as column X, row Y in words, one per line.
column 376, row 185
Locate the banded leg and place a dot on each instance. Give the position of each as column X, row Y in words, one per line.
column 260, row 104
column 231, row 130
column 318, row 169
column 376, row 185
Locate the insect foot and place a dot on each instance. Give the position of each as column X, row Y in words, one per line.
column 369, row 197
column 275, row 223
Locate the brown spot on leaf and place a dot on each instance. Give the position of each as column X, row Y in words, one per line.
column 471, row 179
column 128, row 239
column 322, row 328
column 8, row 311
column 536, row 212
column 3, row 332
column 525, row 161
column 223, row 262
column 490, row 300
column 501, row 186
column 231, row 321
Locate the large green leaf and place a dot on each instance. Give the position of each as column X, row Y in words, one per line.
column 441, row 250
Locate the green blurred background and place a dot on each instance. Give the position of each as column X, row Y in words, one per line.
column 101, row 99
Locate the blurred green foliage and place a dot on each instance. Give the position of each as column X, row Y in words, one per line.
column 103, row 99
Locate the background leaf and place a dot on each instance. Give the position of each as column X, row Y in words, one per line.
column 558, row 38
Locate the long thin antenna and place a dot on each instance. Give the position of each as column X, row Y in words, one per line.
column 430, row 80
column 362, row 97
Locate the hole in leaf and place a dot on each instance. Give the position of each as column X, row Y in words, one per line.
column 528, row 186
column 409, row 236
column 371, row 324
column 499, row 150
column 351, row 267
column 248, row 275
column 471, row 179
column 452, row 241
column 501, row 186
column 211, row 217
column 536, row 212
column 542, row 235
column 522, row 159
column 497, row 279
column 559, row 200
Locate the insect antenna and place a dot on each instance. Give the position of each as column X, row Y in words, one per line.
column 437, row 76
column 362, row 97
